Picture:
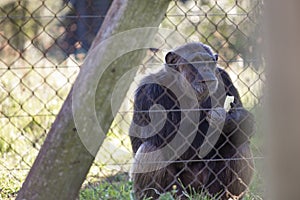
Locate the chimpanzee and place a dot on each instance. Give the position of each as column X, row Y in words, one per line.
column 226, row 167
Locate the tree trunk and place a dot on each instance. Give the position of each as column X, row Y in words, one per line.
column 68, row 151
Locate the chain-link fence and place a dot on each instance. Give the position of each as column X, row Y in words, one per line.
column 43, row 44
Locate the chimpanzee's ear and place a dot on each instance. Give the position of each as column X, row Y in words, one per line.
column 216, row 56
column 171, row 58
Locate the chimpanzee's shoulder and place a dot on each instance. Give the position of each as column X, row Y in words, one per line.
column 151, row 90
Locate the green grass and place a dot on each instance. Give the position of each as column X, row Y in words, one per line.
column 119, row 187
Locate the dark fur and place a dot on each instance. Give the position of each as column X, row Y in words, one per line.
column 213, row 174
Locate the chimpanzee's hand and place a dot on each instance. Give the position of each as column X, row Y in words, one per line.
column 239, row 119
column 216, row 116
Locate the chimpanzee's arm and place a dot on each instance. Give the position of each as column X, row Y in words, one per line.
column 146, row 96
column 239, row 123
column 229, row 88
column 238, row 126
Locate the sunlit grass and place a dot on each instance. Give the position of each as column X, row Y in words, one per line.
column 118, row 187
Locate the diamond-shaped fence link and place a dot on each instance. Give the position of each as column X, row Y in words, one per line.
column 43, row 44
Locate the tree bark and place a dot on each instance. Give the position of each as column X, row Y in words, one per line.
column 66, row 155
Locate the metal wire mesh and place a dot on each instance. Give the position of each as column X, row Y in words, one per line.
column 43, row 44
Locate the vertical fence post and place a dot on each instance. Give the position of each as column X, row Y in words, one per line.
column 283, row 72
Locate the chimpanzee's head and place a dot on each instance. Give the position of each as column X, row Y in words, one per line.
column 197, row 64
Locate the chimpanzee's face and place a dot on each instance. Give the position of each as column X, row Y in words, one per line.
column 199, row 69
